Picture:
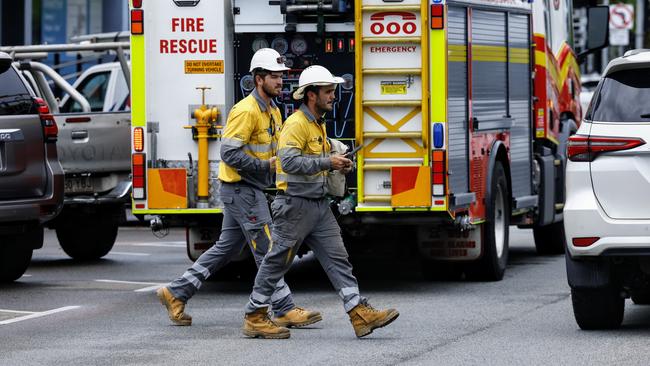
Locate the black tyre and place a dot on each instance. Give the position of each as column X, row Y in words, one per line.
column 16, row 253
column 597, row 308
column 550, row 239
column 494, row 259
column 641, row 298
column 87, row 237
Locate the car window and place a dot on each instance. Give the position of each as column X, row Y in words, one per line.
column 14, row 97
column 121, row 94
column 93, row 88
column 623, row 97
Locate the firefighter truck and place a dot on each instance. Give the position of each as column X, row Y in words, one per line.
column 462, row 109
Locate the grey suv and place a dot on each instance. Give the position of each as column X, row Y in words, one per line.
column 31, row 178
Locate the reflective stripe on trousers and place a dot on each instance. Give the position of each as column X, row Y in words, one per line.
column 236, row 230
column 297, row 220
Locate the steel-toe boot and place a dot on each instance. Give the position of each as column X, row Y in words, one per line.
column 365, row 318
column 175, row 307
column 298, row 317
column 259, row 324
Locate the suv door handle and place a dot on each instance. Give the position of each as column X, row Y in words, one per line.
column 79, row 135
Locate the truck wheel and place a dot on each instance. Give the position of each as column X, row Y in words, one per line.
column 597, row 308
column 641, row 297
column 87, row 237
column 549, row 239
column 16, row 253
column 494, row 259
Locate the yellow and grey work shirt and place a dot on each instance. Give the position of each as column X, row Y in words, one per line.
column 303, row 156
column 249, row 141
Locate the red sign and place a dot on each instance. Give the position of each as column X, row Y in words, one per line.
column 397, row 22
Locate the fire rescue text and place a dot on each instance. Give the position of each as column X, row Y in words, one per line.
column 194, row 45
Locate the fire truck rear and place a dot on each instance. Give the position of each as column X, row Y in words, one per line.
column 463, row 109
column 182, row 72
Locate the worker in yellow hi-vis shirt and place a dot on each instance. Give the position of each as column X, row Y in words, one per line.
column 247, row 167
column 301, row 213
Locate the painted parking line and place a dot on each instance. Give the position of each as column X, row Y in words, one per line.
column 130, row 253
column 152, row 285
column 35, row 314
column 170, row 244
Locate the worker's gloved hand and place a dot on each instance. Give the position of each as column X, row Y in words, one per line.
column 338, row 162
column 272, row 163
column 347, row 169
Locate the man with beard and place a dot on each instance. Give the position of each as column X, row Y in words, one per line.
column 302, row 214
column 247, row 167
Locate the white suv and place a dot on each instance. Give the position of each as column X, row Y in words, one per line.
column 607, row 210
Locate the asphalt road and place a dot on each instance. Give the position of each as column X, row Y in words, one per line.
column 106, row 313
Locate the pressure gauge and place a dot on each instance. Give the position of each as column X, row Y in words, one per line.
column 247, row 83
column 349, row 81
column 281, row 45
column 259, row 43
column 299, row 46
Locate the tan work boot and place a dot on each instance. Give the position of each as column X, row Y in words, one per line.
column 175, row 307
column 365, row 318
column 259, row 324
column 298, row 317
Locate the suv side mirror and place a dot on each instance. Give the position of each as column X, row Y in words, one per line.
column 597, row 30
column 5, row 62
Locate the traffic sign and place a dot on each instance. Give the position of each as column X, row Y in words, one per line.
column 621, row 16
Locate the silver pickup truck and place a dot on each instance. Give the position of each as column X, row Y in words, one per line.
column 94, row 123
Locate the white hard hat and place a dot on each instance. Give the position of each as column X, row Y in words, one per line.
column 268, row 59
column 315, row 75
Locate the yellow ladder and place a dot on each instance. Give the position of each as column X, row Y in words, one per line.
column 391, row 102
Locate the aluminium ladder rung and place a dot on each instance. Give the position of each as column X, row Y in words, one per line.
column 390, row 7
column 399, row 135
column 391, row 40
column 405, row 71
column 391, row 103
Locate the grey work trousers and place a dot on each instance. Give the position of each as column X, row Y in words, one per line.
column 297, row 220
column 246, row 219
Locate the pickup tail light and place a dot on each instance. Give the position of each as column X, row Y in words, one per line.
column 587, row 148
column 50, row 129
column 138, row 168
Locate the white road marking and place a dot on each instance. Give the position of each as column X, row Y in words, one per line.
column 38, row 314
column 130, row 253
column 151, row 288
column 17, row 311
column 170, row 244
column 152, row 285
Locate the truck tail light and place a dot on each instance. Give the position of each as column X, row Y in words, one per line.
column 438, row 173
column 137, row 21
column 587, row 148
column 137, row 4
column 50, row 129
column 584, row 242
column 138, row 139
column 138, row 165
column 437, row 17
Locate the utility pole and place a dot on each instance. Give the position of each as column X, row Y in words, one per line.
column 605, row 52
